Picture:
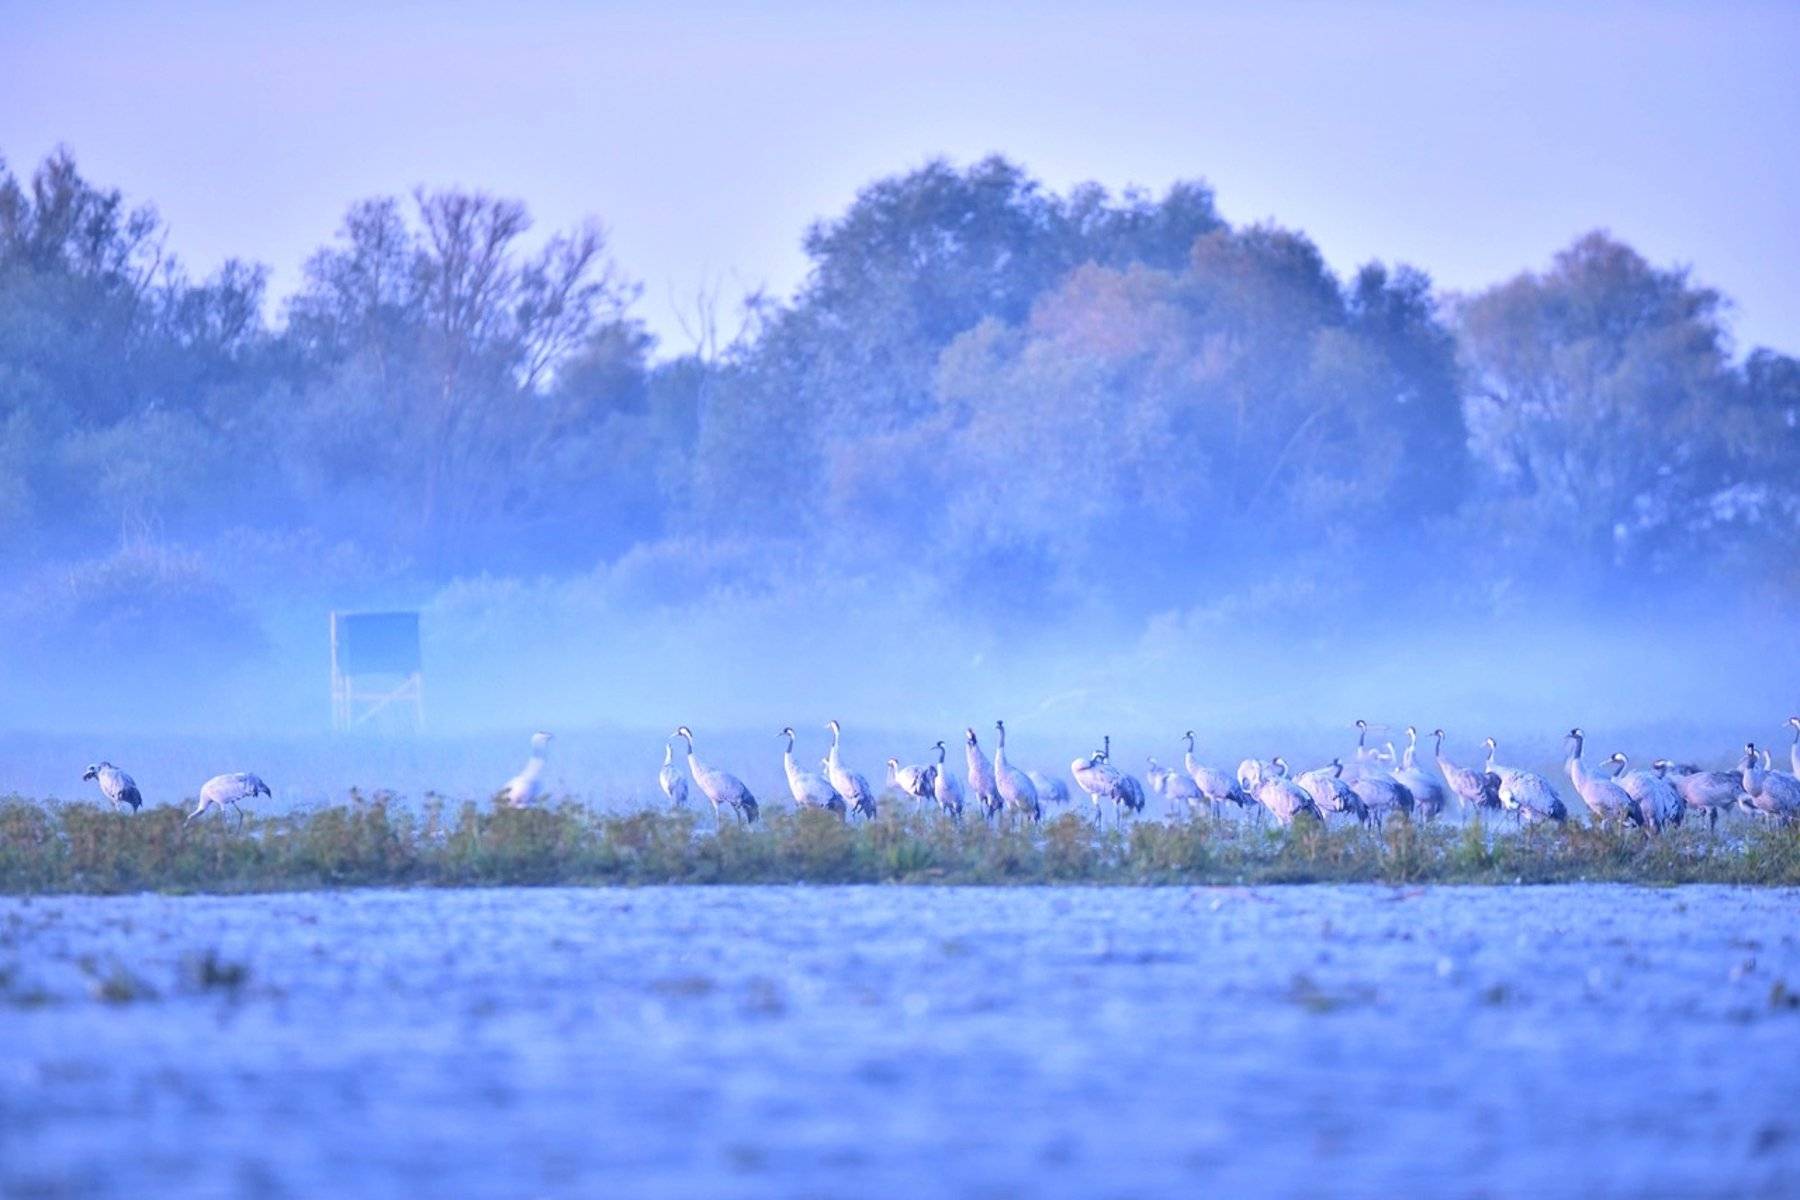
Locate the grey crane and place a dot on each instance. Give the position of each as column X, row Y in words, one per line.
column 852, row 787
column 1610, row 803
column 1659, row 804
column 222, row 791
column 1767, row 793
column 1710, row 792
column 1472, row 787
column 1101, row 781
column 1285, row 800
column 1214, row 784
column 1014, row 786
column 914, row 781
column 721, row 787
column 1329, row 791
column 1382, row 797
column 1429, row 796
column 981, row 776
column 944, row 786
column 1251, row 773
column 670, row 778
column 1133, row 791
column 1525, row 794
column 1050, row 789
column 118, row 787
column 1176, row 787
column 809, row 788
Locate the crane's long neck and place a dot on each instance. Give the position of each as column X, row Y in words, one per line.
column 1578, row 771
column 978, row 764
column 1410, row 760
column 668, row 755
column 941, row 753
column 1794, row 750
column 1445, row 766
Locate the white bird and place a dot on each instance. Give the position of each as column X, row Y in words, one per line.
column 118, row 787
column 1609, row 802
column 1429, row 797
column 1178, row 788
column 1475, row 789
column 810, row 790
column 1768, row 793
column 223, row 790
column 944, row 786
column 1525, row 794
column 1100, row 780
column 1214, row 784
column 1710, row 791
column 1794, row 749
column 982, row 784
column 720, row 787
column 914, row 781
column 1015, row 787
column 524, row 788
column 1659, row 804
column 1329, row 791
column 852, row 787
column 673, row 782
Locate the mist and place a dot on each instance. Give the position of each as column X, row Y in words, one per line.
column 1094, row 463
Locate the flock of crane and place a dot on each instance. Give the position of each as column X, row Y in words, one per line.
column 1374, row 785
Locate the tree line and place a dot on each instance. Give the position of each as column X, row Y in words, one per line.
column 1021, row 399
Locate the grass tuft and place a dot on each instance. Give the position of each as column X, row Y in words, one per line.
column 379, row 840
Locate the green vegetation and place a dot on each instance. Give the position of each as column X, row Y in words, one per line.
column 383, row 842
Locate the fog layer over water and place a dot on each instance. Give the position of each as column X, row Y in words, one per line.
column 1091, row 462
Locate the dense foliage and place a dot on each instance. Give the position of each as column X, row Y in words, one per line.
column 988, row 391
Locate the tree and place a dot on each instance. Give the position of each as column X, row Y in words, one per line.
column 438, row 349
column 1597, row 391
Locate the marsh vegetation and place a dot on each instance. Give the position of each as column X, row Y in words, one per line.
column 384, row 841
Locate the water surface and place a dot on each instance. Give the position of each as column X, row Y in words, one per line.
column 680, row 1042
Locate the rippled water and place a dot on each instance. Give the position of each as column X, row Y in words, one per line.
column 897, row 1041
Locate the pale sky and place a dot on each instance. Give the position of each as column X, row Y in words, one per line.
column 1472, row 141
